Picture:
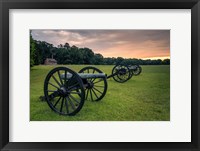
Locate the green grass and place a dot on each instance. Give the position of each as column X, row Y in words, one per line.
column 143, row 98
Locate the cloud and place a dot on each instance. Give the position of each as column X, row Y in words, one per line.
column 112, row 43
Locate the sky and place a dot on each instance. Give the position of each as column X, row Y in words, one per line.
column 141, row 44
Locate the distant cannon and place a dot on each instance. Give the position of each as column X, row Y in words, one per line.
column 135, row 69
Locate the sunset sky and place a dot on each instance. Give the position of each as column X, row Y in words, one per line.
column 144, row 44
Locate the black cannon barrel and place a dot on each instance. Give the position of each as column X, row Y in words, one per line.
column 86, row 75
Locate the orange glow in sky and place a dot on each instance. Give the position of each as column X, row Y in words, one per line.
column 143, row 44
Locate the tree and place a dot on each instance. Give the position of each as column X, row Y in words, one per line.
column 119, row 60
column 88, row 55
column 64, row 54
column 98, row 59
column 76, row 55
column 166, row 62
column 158, row 61
column 32, row 51
column 43, row 51
column 60, row 46
column 53, row 51
column 66, row 45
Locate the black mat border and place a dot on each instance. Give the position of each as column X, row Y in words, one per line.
column 5, row 5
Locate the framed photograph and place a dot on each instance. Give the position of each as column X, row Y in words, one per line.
column 85, row 75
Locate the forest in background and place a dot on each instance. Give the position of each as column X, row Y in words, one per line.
column 66, row 54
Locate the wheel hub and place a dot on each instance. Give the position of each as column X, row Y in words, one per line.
column 90, row 85
column 122, row 71
column 64, row 92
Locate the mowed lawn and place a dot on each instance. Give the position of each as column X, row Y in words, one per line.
column 143, row 98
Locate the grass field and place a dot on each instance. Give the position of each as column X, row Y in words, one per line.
column 143, row 98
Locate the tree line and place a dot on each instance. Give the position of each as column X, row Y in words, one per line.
column 66, row 54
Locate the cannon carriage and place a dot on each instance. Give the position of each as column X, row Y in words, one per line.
column 135, row 70
column 66, row 91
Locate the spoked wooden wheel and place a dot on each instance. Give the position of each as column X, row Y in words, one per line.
column 64, row 92
column 137, row 70
column 96, row 87
column 131, row 71
column 121, row 73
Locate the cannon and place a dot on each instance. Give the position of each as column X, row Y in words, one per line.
column 65, row 91
column 134, row 70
